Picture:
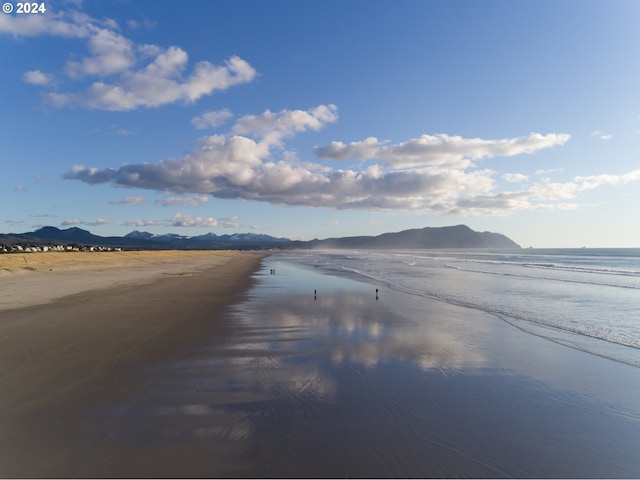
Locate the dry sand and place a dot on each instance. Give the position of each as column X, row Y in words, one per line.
column 34, row 278
column 108, row 314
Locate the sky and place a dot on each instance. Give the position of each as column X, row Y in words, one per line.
column 318, row 119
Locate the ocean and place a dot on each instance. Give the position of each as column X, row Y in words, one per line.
column 588, row 299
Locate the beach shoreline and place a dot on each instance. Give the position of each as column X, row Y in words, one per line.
column 96, row 325
column 260, row 367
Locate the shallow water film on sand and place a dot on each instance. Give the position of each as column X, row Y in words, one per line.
column 585, row 298
column 320, row 375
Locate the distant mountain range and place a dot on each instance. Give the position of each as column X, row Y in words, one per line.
column 144, row 240
column 459, row 236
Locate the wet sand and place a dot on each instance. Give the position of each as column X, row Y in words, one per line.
column 95, row 321
column 285, row 383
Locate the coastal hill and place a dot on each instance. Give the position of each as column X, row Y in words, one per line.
column 459, row 236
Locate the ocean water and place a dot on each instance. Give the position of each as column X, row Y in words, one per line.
column 588, row 299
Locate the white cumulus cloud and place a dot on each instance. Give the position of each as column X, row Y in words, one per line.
column 274, row 127
column 60, row 24
column 110, row 53
column 133, row 200
column 515, row 177
column 161, row 82
column 75, row 222
column 441, row 149
column 433, row 173
column 211, row 119
column 182, row 220
column 548, row 190
column 190, row 201
column 127, row 75
column 71, row 222
column 144, row 222
column 99, row 222
column 36, row 77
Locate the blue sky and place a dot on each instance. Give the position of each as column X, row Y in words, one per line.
column 322, row 119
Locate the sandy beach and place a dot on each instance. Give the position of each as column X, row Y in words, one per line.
column 74, row 327
column 207, row 365
column 33, row 278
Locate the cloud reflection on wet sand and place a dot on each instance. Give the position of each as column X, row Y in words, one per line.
column 342, row 384
column 348, row 326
